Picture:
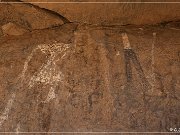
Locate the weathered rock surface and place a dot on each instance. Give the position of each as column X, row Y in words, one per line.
column 94, row 75
column 13, row 29
column 28, row 16
column 1, row 33
column 53, row 14
column 114, row 13
column 86, row 78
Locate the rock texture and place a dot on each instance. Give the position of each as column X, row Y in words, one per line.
column 12, row 29
column 62, row 76
column 114, row 13
column 28, row 16
column 53, row 14
column 82, row 78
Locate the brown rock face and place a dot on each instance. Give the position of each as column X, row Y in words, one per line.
column 114, row 13
column 12, row 29
column 86, row 79
column 28, row 16
column 75, row 77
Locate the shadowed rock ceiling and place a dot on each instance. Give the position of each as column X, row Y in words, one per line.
column 115, row 13
column 49, row 14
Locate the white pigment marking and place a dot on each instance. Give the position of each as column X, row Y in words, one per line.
column 118, row 53
column 126, row 42
column 18, row 128
column 153, row 61
column 22, row 75
column 48, row 74
column 7, row 109
column 51, row 95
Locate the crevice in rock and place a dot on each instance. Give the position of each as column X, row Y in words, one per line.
column 53, row 13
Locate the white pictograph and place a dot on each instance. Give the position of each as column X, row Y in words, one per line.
column 4, row 115
column 46, row 74
column 126, row 42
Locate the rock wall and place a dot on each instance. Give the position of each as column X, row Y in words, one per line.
column 57, row 76
column 115, row 13
column 84, row 78
column 30, row 14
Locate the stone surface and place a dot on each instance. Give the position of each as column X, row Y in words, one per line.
column 13, row 29
column 92, row 75
column 114, row 13
column 53, row 14
column 27, row 16
column 83, row 78
column 1, row 33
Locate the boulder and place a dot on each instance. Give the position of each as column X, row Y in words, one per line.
column 13, row 29
column 114, row 13
column 28, row 16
